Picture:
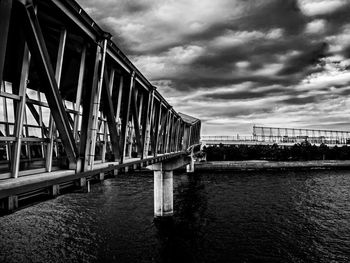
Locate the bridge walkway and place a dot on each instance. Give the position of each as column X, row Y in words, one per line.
column 73, row 105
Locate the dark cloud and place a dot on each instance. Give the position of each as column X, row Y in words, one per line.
column 336, row 19
column 305, row 59
column 193, row 81
column 346, row 53
column 234, row 112
column 284, row 14
column 300, row 101
column 191, row 46
column 136, row 7
column 240, row 95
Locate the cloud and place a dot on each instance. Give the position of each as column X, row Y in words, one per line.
column 321, row 7
column 234, row 63
column 317, row 26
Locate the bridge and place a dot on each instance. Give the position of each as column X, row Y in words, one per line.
column 74, row 107
column 283, row 137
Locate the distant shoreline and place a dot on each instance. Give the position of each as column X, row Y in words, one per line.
column 259, row 165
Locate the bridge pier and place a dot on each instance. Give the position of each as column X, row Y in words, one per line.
column 12, row 203
column 101, row 176
column 54, row 190
column 163, row 185
column 190, row 166
column 163, row 193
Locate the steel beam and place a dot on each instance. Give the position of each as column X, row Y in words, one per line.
column 163, row 130
column 135, row 116
column 5, row 15
column 88, row 113
column 109, row 111
column 40, row 54
column 37, row 117
column 166, row 131
column 120, row 94
column 96, row 107
column 126, row 117
column 152, row 126
column 20, row 112
column 147, row 129
column 75, row 19
column 157, row 130
column 79, row 92
column 58, row 73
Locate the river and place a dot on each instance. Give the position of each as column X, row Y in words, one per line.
column 219, row 217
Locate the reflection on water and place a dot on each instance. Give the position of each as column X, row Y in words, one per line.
column 240, row 217
column 180, row 236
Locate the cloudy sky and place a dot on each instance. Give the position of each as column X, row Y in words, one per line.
column 236, row 63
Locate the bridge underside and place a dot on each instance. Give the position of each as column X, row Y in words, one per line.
column 71, row 102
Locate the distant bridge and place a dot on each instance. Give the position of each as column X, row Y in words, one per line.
column 282, row 137
column 73, row 105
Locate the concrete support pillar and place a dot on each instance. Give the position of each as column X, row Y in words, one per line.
column 12, row 203
column 88, row 186
column 84, row 184
column 54, row 190
column 163, row 184
column 115, row 172
column 163, row 193
column 190, row 166
column 126, row 169
column 101, row 176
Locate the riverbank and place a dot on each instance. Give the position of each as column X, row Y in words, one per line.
column 271, row 165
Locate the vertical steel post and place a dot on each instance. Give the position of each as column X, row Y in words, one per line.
column 96, row 108
column 79, row 93
column 58, row 73
column 147, row 129
column 126, row 116
column 20, row 112
column 157, row 124
column 120, row 94
column 5, row 15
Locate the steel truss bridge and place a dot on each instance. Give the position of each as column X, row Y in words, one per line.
column 282, row 136
column 72, row 103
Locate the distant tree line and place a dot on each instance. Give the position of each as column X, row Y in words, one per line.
column 299, row 152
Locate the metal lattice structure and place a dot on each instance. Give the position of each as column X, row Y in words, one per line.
column 282, row 136
column 70, row 99
column 294, row 135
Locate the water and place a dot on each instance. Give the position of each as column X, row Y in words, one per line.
column 240, row 217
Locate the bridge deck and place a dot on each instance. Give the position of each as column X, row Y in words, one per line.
column 12, row 187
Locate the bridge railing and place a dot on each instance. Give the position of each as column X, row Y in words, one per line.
column 227, row 138
column 276, row 139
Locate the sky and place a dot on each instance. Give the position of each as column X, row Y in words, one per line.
column 238, row 63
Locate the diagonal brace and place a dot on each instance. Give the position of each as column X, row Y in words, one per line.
column 109, row 111
column 37, row 117
column 135, row 115
column 37, row 46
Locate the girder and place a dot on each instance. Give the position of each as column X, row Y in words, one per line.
column 37, row 47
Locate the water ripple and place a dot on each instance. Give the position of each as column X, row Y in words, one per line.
column 239, row 217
